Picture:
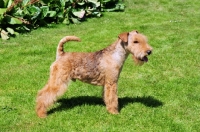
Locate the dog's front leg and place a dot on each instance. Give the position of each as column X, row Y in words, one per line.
column 110, row 97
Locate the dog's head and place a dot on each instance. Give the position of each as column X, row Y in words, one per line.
column 136, row 44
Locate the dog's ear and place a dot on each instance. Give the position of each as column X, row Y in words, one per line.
column 134, row 32
column 124, row 37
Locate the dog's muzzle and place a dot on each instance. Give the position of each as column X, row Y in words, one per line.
column 145, row 58
column 148, row 52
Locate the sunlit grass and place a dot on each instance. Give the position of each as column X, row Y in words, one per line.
column 162, row 95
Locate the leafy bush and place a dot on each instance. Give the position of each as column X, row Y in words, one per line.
column 23, row 15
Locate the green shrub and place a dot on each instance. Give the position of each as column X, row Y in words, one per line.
column 23, row 15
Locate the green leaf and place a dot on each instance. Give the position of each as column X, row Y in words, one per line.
column 4, row 3
column 13, row 21
column 34, row 11
column 96, row 2
column 2, row 10
column 51, row 13
column 62, row 2
column 9, row 3
column 120, row 7
column 81, row 3
column 1, row 18
column 75, row 21
column 66, row 21
column 45, row 10
column 19, row 12
column 16, row 33
column 27, row 29
column 46, row 1
column 99, row 15
column 60, row 15
column 10, row 30
column 25, row 2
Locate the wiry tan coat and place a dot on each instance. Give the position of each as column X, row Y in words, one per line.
column 98, row 68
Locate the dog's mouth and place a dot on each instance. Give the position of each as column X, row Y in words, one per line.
column 140, row 60
column 144, row 59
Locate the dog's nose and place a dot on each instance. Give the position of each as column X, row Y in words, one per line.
column 148, row 52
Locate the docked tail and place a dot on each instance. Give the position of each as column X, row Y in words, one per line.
column 60, row 50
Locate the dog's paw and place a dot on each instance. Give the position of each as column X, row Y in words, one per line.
column 113, row 111
column 42, row 114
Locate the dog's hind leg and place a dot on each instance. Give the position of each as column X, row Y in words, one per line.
column 55, row 87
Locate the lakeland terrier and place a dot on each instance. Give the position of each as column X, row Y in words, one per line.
column 100, row 68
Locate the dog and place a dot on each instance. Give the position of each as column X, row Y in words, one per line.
column 100, row 68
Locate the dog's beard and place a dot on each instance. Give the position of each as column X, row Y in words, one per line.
column 140, row 60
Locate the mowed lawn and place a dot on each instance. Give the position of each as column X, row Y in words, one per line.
column 163, row 95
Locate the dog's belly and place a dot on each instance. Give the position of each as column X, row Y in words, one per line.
column 91, row 77
column 98, row 80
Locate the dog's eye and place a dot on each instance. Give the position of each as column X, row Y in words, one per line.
column 135, row 42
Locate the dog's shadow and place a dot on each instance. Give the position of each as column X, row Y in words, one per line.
column 70, row 103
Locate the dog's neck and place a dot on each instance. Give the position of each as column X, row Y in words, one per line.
column 118, row 54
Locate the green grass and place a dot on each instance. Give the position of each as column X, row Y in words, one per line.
column 162, row 95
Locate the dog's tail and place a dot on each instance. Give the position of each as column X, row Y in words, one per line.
column 60, row 48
